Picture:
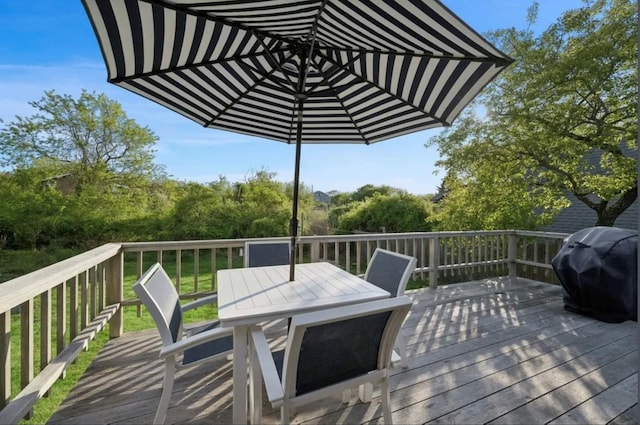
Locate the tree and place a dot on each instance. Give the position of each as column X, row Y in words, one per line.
column 91, row 137
column 200, row 212
column 387, row 213
column 30, row 211
column 342, row 203
column 85, row 173
column 369, row 190
column 570, row 97
column 256, row 207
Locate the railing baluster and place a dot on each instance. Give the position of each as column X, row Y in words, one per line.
column 73, row 307
column 315, row 252
column 26, row 345
column 358, row 258
column 347, row 255
column 547, row 259
column 178, row 269
column 5, row 358
column 434, row 261
column 214, row 268
column 196, row 269
column 61, row 317
column 93, row 279
column 139, row 264
column 84, row 313
column 114, row 292
column 422, row 257
column 45, row 329
column 414, row 253
column 459, row 241
column 101, row 282
column 300, row 246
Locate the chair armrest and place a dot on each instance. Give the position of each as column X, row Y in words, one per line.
column 192, row 341
column 210, row 299
column 272, row 382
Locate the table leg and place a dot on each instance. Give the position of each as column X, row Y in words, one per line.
column 255, row 387
column 240, row 339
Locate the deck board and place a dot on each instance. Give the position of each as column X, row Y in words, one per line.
column 500, row 351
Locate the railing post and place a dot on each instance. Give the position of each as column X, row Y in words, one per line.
column 115, row 278
column 434, row 261
column 513, row 254
column 315, row 252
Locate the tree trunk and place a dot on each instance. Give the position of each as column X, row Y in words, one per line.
column 608, row 213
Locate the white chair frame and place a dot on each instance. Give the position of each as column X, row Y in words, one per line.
column 161, row 306
column 281, row 393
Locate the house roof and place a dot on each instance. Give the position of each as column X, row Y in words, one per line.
column 578, row 216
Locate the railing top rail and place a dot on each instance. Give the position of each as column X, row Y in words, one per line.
column 193, row 244
column 546, row 235
column 225, row 243
column 16, row 291
column 408, row 235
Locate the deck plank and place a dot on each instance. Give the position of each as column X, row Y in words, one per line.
column 552, row 404
column 500, row 351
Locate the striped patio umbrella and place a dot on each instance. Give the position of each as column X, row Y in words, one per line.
column 310, row 71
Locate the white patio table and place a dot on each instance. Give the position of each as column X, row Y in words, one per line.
column 251, row 295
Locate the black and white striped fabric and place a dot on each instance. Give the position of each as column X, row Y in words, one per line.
column 365, row 71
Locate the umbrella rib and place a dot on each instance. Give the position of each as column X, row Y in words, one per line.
column 188, row 11
column 326, row 79
column 274, row 62
column 312, row 35
column 237, row 100
column 190, row 66
column 495, row 60
column 391, row 94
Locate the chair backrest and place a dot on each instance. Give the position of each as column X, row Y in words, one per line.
column 390, row 271
column 266, row 253
column 335, row 345
column 156, row 291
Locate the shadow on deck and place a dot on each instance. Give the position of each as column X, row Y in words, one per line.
column 492, row 351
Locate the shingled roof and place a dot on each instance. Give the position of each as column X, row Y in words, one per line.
column 578, row 216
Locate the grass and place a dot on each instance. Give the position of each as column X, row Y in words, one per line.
column 17, row 263
column 46, row 406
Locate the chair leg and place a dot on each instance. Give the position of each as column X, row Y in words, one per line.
column 285, row 414
column 365, row 392
column 167, row 389
column 401, row 347
column 386, row 401
column 255, row 388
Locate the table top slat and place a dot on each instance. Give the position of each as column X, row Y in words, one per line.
column 252, row 295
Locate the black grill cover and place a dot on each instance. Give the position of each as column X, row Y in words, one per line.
column 597, row 267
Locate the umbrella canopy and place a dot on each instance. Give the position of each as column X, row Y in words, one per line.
column 311, row 71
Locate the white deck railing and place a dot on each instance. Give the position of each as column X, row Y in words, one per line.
column 71, row 301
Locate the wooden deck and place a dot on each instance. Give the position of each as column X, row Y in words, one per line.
column 491, row 351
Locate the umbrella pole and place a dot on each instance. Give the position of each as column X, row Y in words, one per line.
column 293, row 224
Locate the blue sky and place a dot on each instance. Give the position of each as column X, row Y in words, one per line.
column 49, row 44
